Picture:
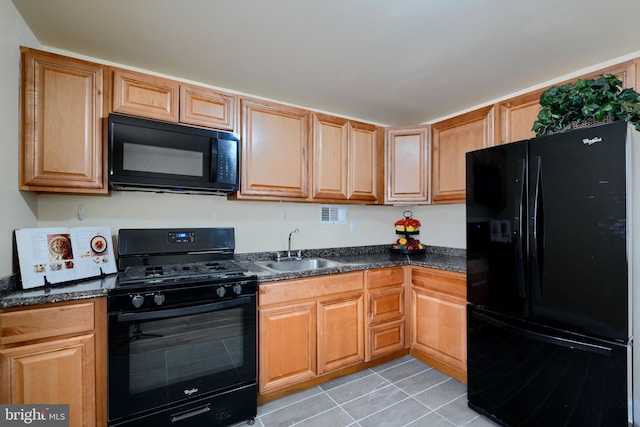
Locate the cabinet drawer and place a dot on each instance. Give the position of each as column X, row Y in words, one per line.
column 312, row 287
column 454, row 284
column 385, row 277
column 386, row 304
column 46, row 322
column 386, row 338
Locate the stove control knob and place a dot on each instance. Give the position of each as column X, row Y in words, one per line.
column 158, row 299
column 221, row 291
column 137, row 300
column 237, row 288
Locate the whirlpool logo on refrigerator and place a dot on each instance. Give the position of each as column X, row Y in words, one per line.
column 591, row 141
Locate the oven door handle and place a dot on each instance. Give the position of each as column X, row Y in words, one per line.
column 184, row 311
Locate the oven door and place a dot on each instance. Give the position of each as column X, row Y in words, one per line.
column 167, row 356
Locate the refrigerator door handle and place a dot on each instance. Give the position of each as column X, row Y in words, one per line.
column 549, row 339
column 537, row 217
column 518, row 223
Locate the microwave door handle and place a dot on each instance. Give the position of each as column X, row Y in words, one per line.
column 213, row 169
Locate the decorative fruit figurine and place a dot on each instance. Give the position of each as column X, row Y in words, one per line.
column 407, row 224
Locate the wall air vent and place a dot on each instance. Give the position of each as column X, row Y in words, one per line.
column 330, row 214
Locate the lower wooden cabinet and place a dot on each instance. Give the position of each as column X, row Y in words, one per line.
column 309, row 327
column 385, row 312
column 340, row 332
column 438, row 320
column 287, row 345
column 56, row 354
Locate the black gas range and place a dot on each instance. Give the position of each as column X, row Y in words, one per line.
column 182, row 330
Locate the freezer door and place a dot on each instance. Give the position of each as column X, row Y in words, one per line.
column 520, row 375
column 496, row 228
column 578, row 231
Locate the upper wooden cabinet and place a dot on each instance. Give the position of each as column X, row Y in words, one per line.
column 451, row 139
column 61, row 146
column 515, row 116
column 145, row 95
column 158, row 98
column 330, row 157
column 407, row 160
column 205, row 107
column 275, row 143
column 345, row 164
column 365, row 149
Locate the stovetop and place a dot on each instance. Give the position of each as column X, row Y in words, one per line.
column 209, row 271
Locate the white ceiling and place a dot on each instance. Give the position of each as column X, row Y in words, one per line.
column 392, row 62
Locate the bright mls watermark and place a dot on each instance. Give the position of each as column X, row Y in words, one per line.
column 34, row 415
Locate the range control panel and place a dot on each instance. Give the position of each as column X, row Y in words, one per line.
column 182, row 236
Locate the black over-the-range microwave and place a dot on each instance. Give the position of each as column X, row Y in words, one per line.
column 150, row 155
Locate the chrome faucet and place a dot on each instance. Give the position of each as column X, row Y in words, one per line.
column 289, row 245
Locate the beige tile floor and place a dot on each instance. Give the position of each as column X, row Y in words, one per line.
column 403, row 392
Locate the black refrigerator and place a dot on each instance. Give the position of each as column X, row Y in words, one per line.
column 551, row 248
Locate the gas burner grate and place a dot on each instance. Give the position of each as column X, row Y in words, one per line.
column 154, row 271
column 215, row 266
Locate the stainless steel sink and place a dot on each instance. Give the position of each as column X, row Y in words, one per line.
column 298, row 264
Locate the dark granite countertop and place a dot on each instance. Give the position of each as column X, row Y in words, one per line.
column 349, row 259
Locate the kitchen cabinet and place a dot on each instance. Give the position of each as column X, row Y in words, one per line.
column 385, row 312
column 309, row 327
column 345, row 161
column 515, row 116
column 62, row 102
column 55, row 354
column 287, row 345
column 145, row 95
column 275, row 144
column 438, row 320
column 451, row 139
column 340, row 331
column 407, row 160
column 200, row 106
column 364, row 169
column 164, row 99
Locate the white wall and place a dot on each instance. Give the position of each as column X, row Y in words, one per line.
column 260, row 226
column 17, row 209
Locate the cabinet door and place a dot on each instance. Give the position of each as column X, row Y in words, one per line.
column 56, row 372
column 340, row 332
column 62, row 109
column 363, row 162
column 385, row 338
column 287, row 345
column 145, row 95
column 274, row 151
column 451, row 139
column 407, row 173
column 330, row 157
column 205, row 107
column 438, row 327
column 515, row 117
